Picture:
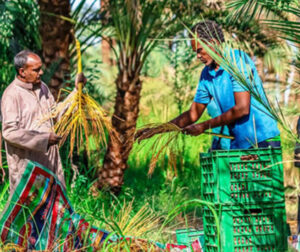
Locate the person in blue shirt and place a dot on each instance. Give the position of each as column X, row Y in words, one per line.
column 249, row 122
column 218, row 143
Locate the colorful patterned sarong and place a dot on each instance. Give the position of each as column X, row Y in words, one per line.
column 39, row 216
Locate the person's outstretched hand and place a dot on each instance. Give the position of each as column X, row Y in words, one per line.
column 80, row 78
column 53, row 139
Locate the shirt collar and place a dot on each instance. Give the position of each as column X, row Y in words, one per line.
column 212, row 71
column 23, row 84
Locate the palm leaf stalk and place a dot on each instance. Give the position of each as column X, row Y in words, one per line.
column 167, row 143
column 81, row 118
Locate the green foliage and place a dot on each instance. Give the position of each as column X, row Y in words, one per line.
column 156, row 62
column 138, row 27
column 285, row 20
column 19, row 21
column 186, row 74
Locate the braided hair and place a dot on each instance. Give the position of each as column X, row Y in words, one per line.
column 208, row 30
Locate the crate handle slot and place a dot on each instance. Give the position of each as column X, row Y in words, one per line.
column 249, row 157
column 253, row 211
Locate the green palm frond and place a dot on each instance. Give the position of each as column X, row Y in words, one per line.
column 138, row 26
column 246, row 10
column 290, row 30
column 285, row 22
column 287, row 13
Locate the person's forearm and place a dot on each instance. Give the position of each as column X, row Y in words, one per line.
column 226, row 118
column 25, row 139
column 183, row 120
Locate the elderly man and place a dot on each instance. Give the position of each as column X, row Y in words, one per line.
column 24, row 102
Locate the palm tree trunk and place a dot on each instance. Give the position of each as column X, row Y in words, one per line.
column 124, row 122
column 105, row 43
column 56, row 35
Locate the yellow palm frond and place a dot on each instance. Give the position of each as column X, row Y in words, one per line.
column 81, row 118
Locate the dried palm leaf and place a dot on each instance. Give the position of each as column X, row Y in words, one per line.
column 139, row 224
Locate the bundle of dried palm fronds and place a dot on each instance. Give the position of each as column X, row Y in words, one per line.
column 81, row 118
column 13, row 247
column 166, row 144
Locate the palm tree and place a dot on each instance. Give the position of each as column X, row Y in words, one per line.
column 137, row 27
column 56, row 34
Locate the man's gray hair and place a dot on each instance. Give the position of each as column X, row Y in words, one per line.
column 21, row 58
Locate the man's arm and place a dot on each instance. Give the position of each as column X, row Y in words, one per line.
column 14, row 134
column 183, row 120
column 190, row 116
column 241, row 108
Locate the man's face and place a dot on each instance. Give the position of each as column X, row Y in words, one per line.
column 201, row 53
column 32, row 71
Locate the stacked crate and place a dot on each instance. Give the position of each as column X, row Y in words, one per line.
column 246, row 187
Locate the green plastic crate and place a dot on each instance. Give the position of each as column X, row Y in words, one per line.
column 188, row 236
column 247, row 229
column 242, row 176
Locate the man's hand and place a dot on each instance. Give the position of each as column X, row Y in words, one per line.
column 194, row 129
column 53, row 139
column 80, row 78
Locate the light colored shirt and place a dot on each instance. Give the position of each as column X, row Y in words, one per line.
column 26, row 137
column 256, row 127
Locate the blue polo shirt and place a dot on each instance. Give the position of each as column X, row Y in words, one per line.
column 256, row 127
column 213, row 111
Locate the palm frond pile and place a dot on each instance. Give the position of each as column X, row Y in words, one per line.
column 134, row 245
column 128, row 226
column 123, row 221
